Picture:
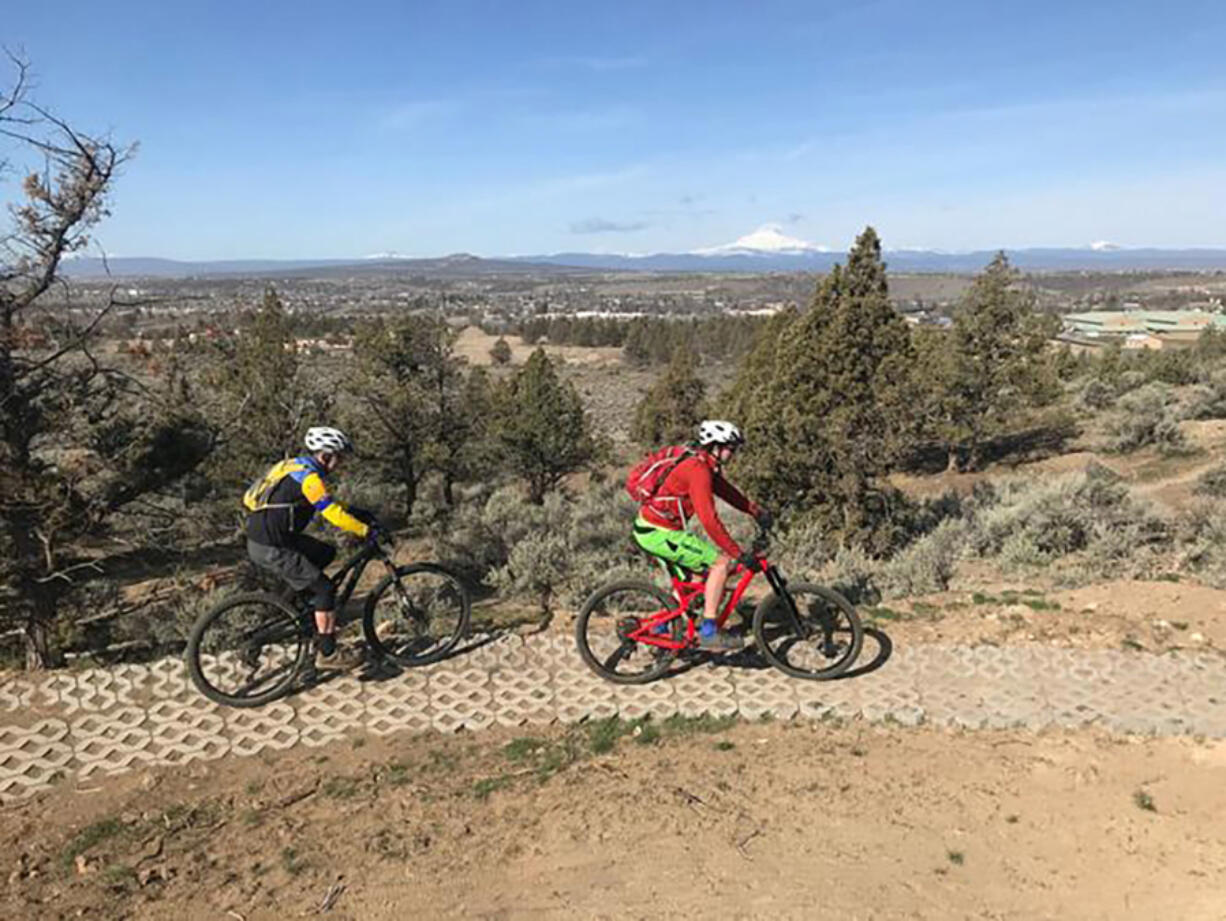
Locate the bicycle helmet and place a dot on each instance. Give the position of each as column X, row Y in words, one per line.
column 327, row 439
column 718, row 432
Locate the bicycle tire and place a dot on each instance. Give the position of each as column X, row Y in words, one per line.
column 443, row 644
column 835, row 606
column 662, row 659
column 282, row 622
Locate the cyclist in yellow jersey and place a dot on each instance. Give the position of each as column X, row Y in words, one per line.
column 281, row 505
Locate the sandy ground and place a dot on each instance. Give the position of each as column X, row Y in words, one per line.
column 1150, row 616
column 794, row 820
column 475, row 346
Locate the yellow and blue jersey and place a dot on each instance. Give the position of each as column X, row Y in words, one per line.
column 287, row 497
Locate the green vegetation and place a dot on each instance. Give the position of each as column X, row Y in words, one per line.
column 500, row 352
column 670, row 411
column 543, row 429
column 341, row 787
column 835, row 381
column 542, row 758
column 89, row 837
column 293, row 862
column 397, row 774
column 989, row 368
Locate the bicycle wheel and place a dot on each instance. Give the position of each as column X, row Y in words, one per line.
column 608, row 615
column 417, row 616
column 830, row 632
column 248, row 650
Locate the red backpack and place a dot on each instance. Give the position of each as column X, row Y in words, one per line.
column 645, row 477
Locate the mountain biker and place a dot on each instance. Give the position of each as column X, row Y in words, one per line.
column 281, row 505
column 689, row 489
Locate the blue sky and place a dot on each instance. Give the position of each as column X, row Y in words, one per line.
column 272, row 129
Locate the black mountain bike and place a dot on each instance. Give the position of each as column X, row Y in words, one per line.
column 253, row 647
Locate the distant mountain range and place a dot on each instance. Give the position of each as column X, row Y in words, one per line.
column 460, row 265
column 902, row 260
column 765, row 250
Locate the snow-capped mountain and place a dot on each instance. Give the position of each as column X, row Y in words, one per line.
column 767, row 239
column 766, row 249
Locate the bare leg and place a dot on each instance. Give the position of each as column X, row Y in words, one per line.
column 717, row 578
column 325, row 622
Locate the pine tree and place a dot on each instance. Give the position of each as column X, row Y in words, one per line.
column 824, row 400
column 671, row 410
column 500, row 352
column 998, row 361
column 542, row 427
column 407, row 390
column 261, row 399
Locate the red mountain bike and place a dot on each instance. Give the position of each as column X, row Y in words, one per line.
column 630, row 631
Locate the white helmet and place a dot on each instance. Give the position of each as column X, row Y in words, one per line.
column 719, row 432
column 326, row 438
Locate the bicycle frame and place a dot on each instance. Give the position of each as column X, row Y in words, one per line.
column 686, row 591
column 346, row 578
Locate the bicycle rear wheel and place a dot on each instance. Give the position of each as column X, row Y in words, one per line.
column 830, row 634
column 248, row 650
column 417, row 616
column 603, row 625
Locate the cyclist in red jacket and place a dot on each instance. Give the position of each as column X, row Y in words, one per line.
column 689, row 489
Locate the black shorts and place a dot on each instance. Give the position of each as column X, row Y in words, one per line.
column 301, row 563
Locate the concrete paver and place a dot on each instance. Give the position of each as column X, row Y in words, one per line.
column 99, row 722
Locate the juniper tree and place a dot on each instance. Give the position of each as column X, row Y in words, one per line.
column 259, row 400
column 80, row 442
column 542, row 427
column 996, row 363
column 671, row 410
column 500, row 352
column 824, row 398
column 406, row 391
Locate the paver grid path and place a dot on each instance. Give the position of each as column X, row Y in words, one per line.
column 80, row 725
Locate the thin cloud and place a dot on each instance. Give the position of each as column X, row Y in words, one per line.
column 598, row 64
column 583, row 121
column 794, row 218
column 411, row 114
column 601, row 225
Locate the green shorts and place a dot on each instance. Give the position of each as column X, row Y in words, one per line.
column 677, row 548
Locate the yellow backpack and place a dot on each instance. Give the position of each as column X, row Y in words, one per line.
column 255, row 499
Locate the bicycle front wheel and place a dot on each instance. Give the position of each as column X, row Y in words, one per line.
column 602, row 631
column 248, row 650
column 821, row 642
column 416, row 616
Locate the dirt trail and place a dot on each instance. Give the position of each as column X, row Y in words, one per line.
column 787, row 820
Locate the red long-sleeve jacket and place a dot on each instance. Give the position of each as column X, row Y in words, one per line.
column 688, row 490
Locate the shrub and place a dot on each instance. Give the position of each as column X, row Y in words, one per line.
column 927, row 565
column 1146, row 417
column 1207, row 400
column 560, row 549
column 1032, row 522
column 1202, row 538
column 855, row 574
column 1212, row 483
column 500, row 352
column 1096, row 394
